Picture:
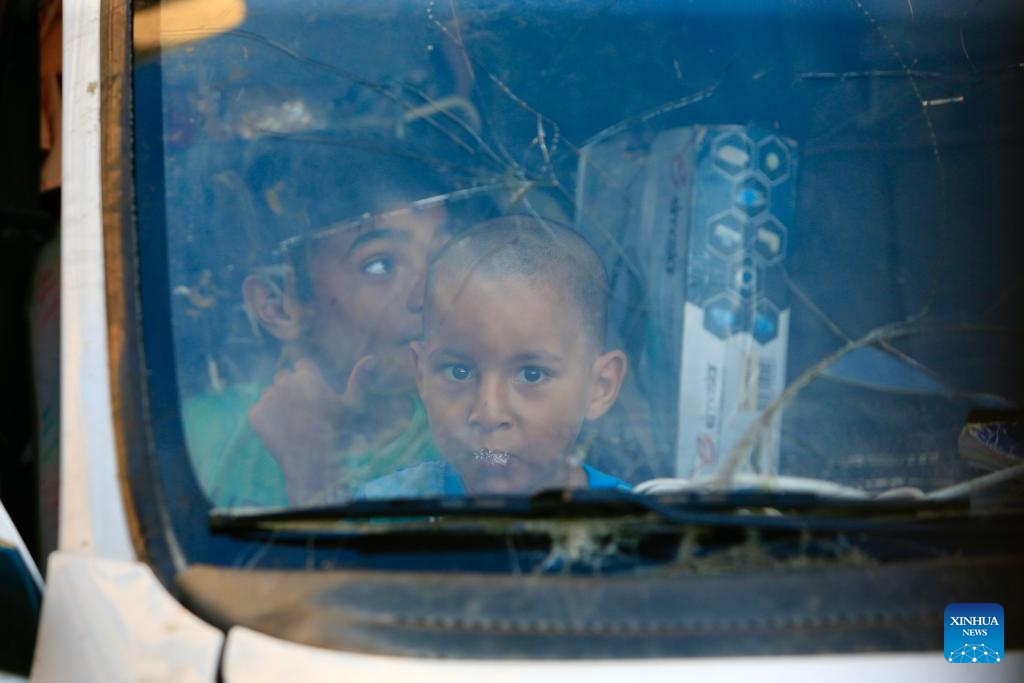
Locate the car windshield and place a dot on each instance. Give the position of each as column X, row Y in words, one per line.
column 419, row 250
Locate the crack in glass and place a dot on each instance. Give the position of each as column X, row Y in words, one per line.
column 457, row 97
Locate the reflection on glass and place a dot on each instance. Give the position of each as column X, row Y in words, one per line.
column 178, row 22
column 808, row 280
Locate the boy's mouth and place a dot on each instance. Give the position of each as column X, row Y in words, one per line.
column 490, row 456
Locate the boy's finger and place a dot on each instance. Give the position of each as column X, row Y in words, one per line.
column 359, row 382
column 311, row 381
column 281, row 375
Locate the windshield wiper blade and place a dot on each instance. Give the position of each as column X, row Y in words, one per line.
column 783, row 510
column 568, row 503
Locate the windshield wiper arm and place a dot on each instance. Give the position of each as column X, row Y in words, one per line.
column 548, row 504
column 780, row 510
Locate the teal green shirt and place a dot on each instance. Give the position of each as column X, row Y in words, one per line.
column 235, row 469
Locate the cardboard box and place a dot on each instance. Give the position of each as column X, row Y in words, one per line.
column 694, row 224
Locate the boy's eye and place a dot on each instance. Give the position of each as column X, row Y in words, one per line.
column 531, row 374
column 459, row 373
column 379, row 265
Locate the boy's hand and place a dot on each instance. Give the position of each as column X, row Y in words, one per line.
column 301, row 421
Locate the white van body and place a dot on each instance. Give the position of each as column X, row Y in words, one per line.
column 106, row 616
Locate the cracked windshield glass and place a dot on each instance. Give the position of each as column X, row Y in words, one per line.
column 428, row 249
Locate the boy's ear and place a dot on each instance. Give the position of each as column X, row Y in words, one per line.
column 606, row 374
column 268, row 305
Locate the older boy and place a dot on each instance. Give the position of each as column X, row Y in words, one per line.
column 343, row 408
column 511, row 363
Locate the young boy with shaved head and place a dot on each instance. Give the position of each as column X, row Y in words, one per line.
column 511, row 363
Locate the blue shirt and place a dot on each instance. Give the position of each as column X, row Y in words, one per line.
column 438, row 478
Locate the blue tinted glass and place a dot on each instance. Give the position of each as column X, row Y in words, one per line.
column 805, row 214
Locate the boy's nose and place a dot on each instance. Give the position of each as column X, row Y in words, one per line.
column 490, row 405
